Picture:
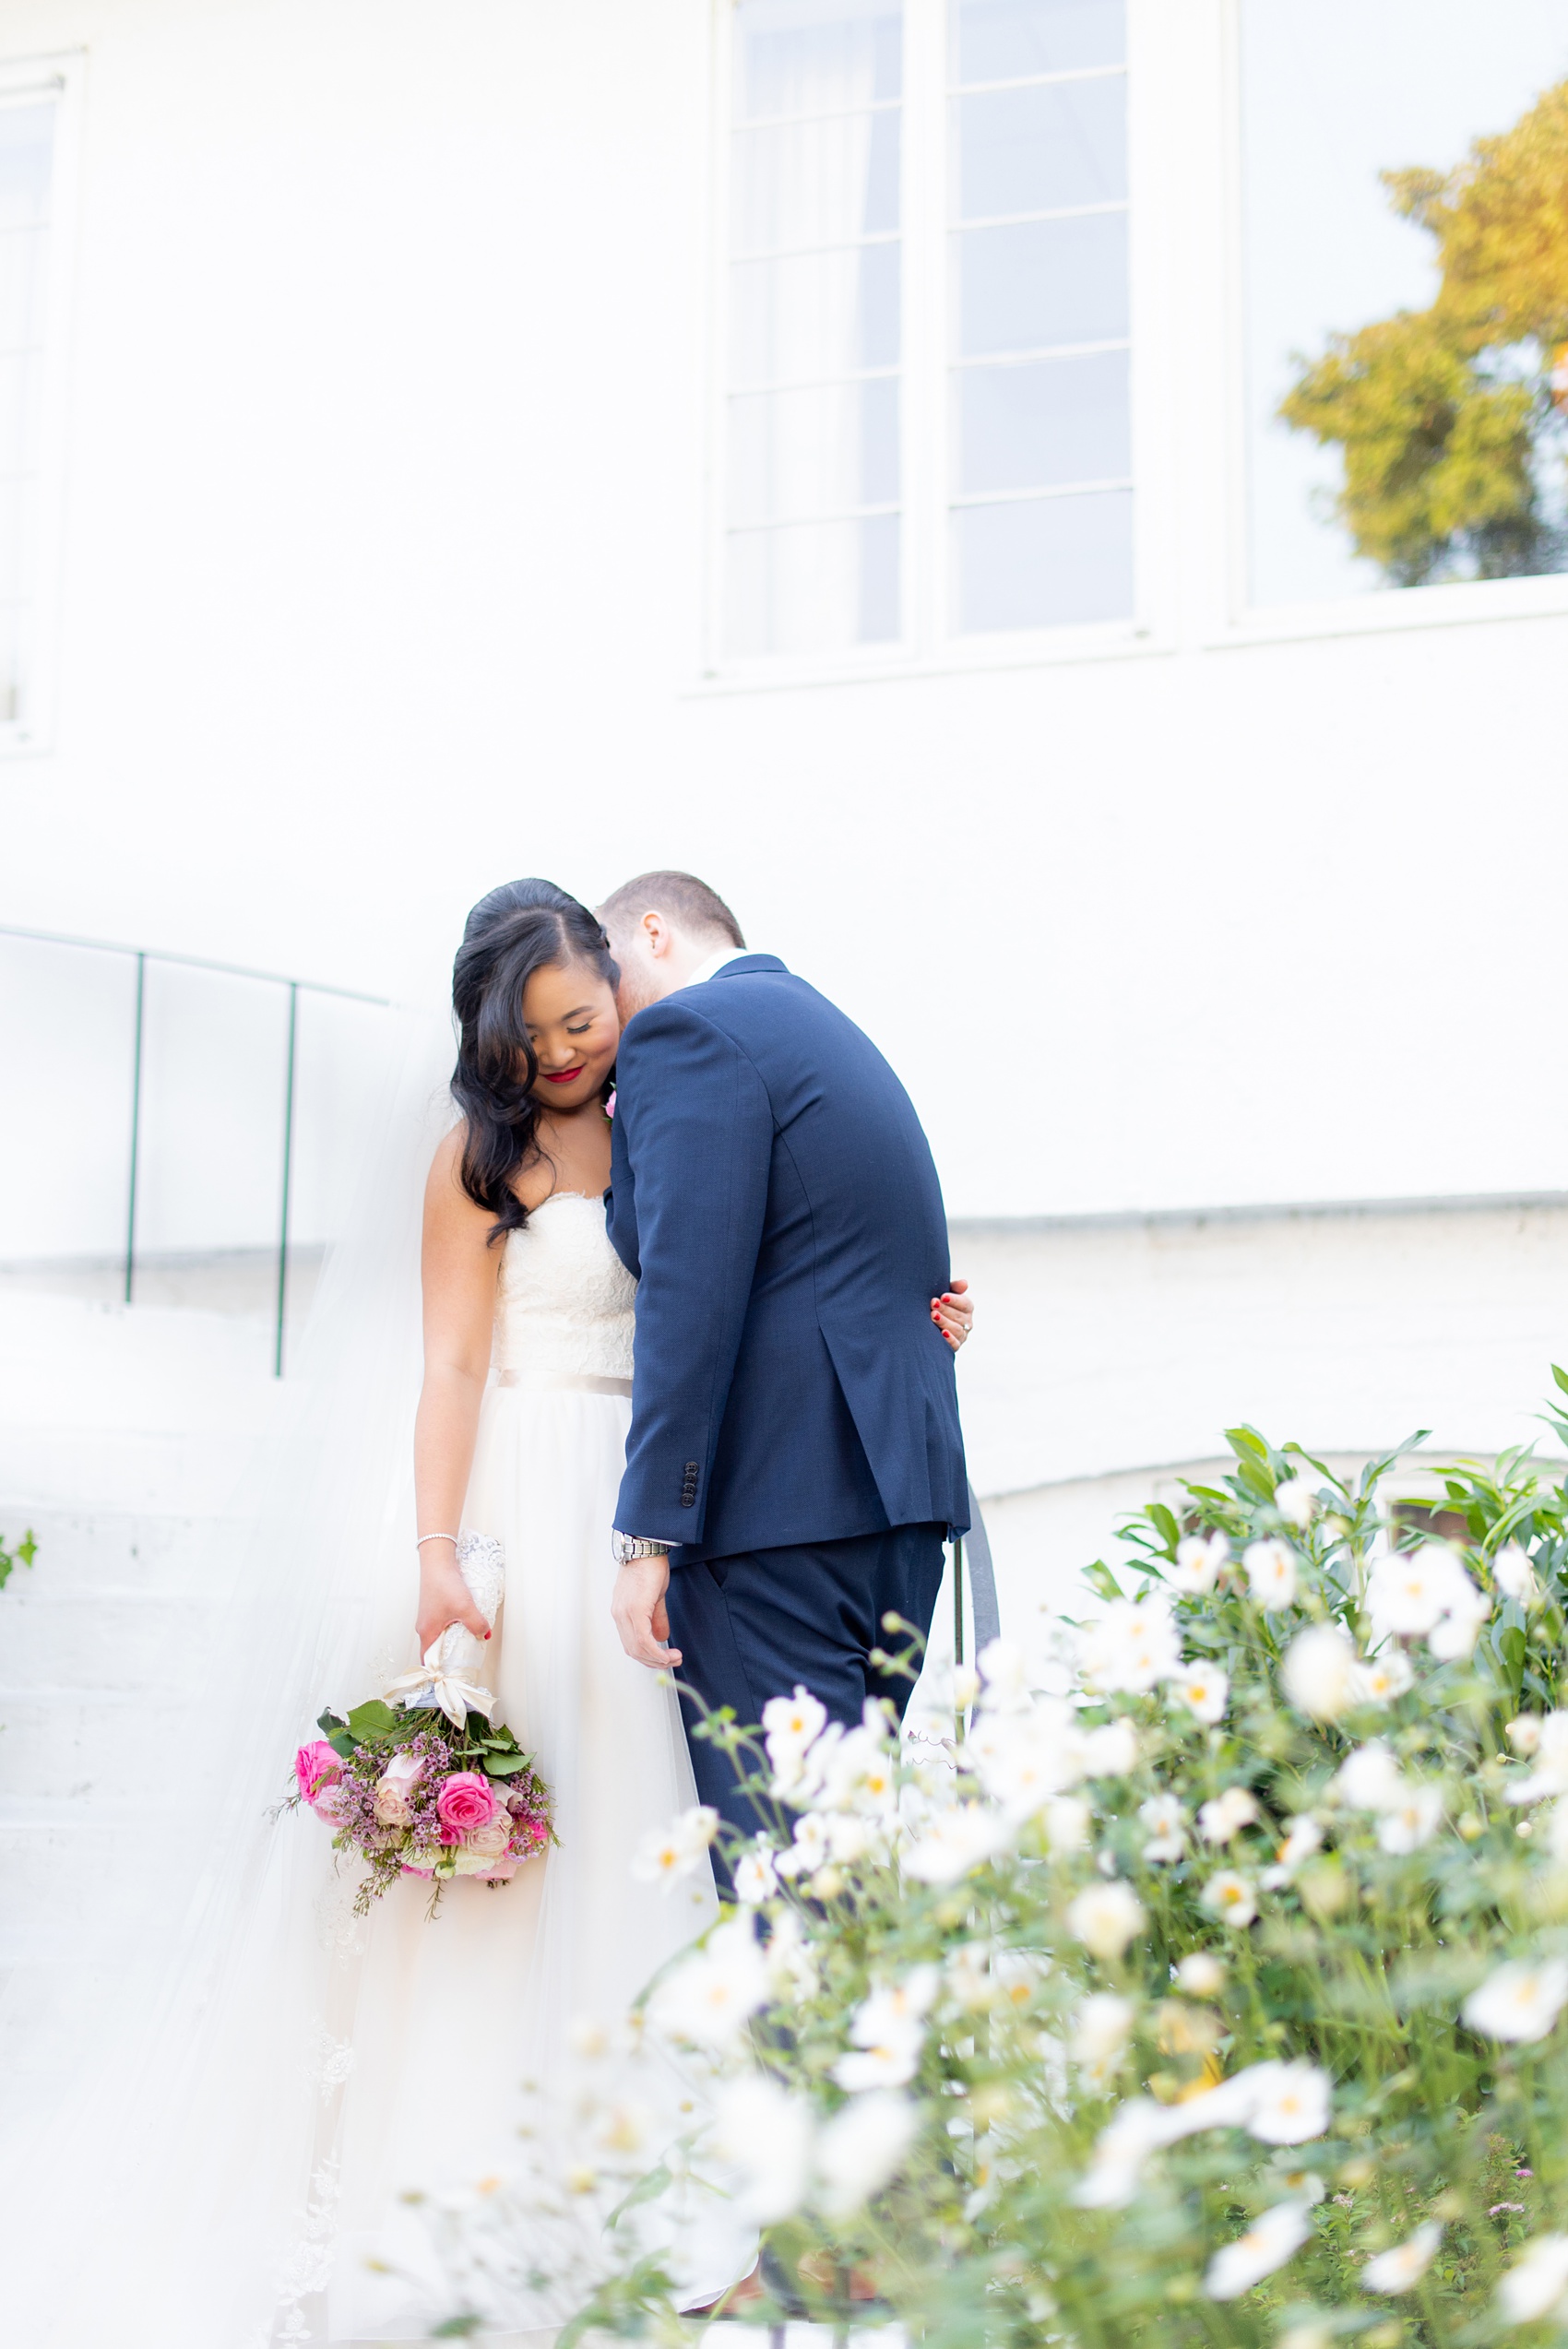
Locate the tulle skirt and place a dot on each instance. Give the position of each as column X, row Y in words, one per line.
column 453, row 2019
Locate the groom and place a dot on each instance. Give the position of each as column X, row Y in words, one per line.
column 794, row 1461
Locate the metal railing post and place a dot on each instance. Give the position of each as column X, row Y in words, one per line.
column 135, row 1131
column 288, row 1175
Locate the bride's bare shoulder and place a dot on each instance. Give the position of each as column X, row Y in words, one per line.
column 445, row 1197
column 447, row 1206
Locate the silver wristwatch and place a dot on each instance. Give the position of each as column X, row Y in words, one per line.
column 627, row 1547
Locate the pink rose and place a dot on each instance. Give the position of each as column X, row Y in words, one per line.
column 465, row 1802
column 391, row 1809
column 317, row 1767
column 403, row 1771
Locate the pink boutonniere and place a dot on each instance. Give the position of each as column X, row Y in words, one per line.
column 610, row 1104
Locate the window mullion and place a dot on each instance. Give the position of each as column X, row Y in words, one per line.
column 925, row 299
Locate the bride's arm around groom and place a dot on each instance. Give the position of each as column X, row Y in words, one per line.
column 794, row 1445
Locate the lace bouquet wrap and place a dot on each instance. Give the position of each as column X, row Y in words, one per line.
column 425, row 1780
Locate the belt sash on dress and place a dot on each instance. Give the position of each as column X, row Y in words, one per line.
column 585, row 1384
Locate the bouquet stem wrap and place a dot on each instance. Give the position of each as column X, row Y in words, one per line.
column 448, row 1677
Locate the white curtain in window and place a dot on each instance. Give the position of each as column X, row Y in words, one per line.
column 815, row 171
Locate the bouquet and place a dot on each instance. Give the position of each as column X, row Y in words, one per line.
column 423, row 1782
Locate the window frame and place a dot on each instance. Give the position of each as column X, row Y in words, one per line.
column 926, row 645
column 59, row 74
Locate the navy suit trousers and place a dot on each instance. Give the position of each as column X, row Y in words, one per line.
column 753, row 1626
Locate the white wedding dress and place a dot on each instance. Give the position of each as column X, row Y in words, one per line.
column 441, row 2023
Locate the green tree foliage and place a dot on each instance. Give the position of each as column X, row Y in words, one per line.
column 1446, row 417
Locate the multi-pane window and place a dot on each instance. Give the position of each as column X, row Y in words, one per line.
column 927, row 404
column 814, row 303
column 1040, row 428
column 27, row 121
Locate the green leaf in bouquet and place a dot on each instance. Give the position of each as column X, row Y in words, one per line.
column 373, row 1719
column 507, row 1765
column 344, row 1742
column 330, row 1721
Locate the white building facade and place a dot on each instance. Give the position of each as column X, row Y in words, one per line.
column 826, row 444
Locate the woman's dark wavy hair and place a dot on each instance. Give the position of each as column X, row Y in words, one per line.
column 522, row 927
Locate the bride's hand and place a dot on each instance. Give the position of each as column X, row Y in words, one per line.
column 954, row 1314
column 445, row 1599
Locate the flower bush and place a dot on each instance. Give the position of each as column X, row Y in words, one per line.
column 1214, row 1995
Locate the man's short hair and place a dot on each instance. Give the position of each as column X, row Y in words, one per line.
column 690, row 904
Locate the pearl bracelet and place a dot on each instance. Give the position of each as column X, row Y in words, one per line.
column 424, row 1537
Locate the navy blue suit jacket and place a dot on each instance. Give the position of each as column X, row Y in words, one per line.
column 775, row 1195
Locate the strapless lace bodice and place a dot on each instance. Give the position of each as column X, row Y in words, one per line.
column 565, row 1305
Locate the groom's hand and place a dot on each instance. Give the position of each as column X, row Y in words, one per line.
column 639, row 1613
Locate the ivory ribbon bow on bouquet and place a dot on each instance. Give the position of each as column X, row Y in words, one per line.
column 448, row 1677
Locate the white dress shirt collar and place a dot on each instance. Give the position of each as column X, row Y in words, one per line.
column 717, row 962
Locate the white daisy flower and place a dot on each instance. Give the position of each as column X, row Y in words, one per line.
column 1318, row 1672
column 888, row 2030
column 1370, row 1779
column 1131, row 1647
column 1413, row 1820
column 764, row 2135
column 1230, row 1898
column 955, row 1841
column 1402, row 2268
column 1383, row 1679
column 1296, row 1502
column 1225, row 1817
column 710, row 1996
column 1102, row 2029
column 756, row 1876
column 1111, row 1751
column 1167, row 1823
column 1536, row 2283
column 1104, row 1918
column 1516, row 1576
column 1200, row 1974
column 1292, row 2102
column 1518, row 2000
column 1271, row 1573
column 1204, row 1690
column 862, row 2148
column 1199, row 1559
column 1304, row 1838
column 666, row 1854
column 1410, row 1591
column 1273, row 2237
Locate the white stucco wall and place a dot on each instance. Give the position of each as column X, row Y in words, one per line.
column 382, row 580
